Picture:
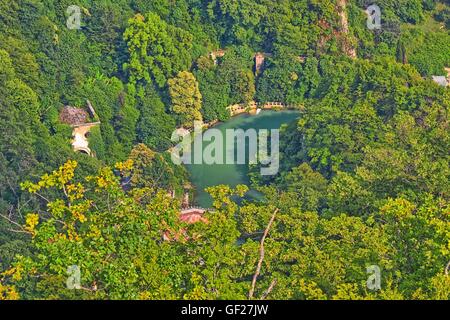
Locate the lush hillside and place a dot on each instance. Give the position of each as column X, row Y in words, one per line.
column 364, row 174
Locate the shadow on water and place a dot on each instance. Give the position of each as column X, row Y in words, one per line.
column 204, row 175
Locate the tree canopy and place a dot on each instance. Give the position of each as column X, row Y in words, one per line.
column 364, row 170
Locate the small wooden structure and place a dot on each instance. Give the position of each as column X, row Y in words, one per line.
column 259, row 62
column 79, row 120
column 217, row 54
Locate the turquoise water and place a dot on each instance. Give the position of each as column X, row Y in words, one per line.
column 204, row 175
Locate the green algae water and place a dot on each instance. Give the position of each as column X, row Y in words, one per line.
column 204, row 175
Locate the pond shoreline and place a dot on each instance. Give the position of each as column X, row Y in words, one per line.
column 203, row 175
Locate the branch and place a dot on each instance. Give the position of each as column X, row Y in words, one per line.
column 6, row 177
column 22, row 230
column 69, row 204
column 19, row 231
column 41, row 196
column 269, row 290
column 108, row 203
column 11, row 221
column 447, row 268
column 19, row 206
column 261, row 255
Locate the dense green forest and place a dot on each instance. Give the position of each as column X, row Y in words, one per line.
column 364, row 178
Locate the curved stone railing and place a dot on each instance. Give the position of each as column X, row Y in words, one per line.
column 253, row 106
column 193, row 209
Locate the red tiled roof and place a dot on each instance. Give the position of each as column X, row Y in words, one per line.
column 193, row 217
column 189, row 216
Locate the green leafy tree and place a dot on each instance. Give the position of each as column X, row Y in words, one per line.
column 157, row 50
column 214, row 89
column 155, row 125
column 186, row 98
column 156, row 171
